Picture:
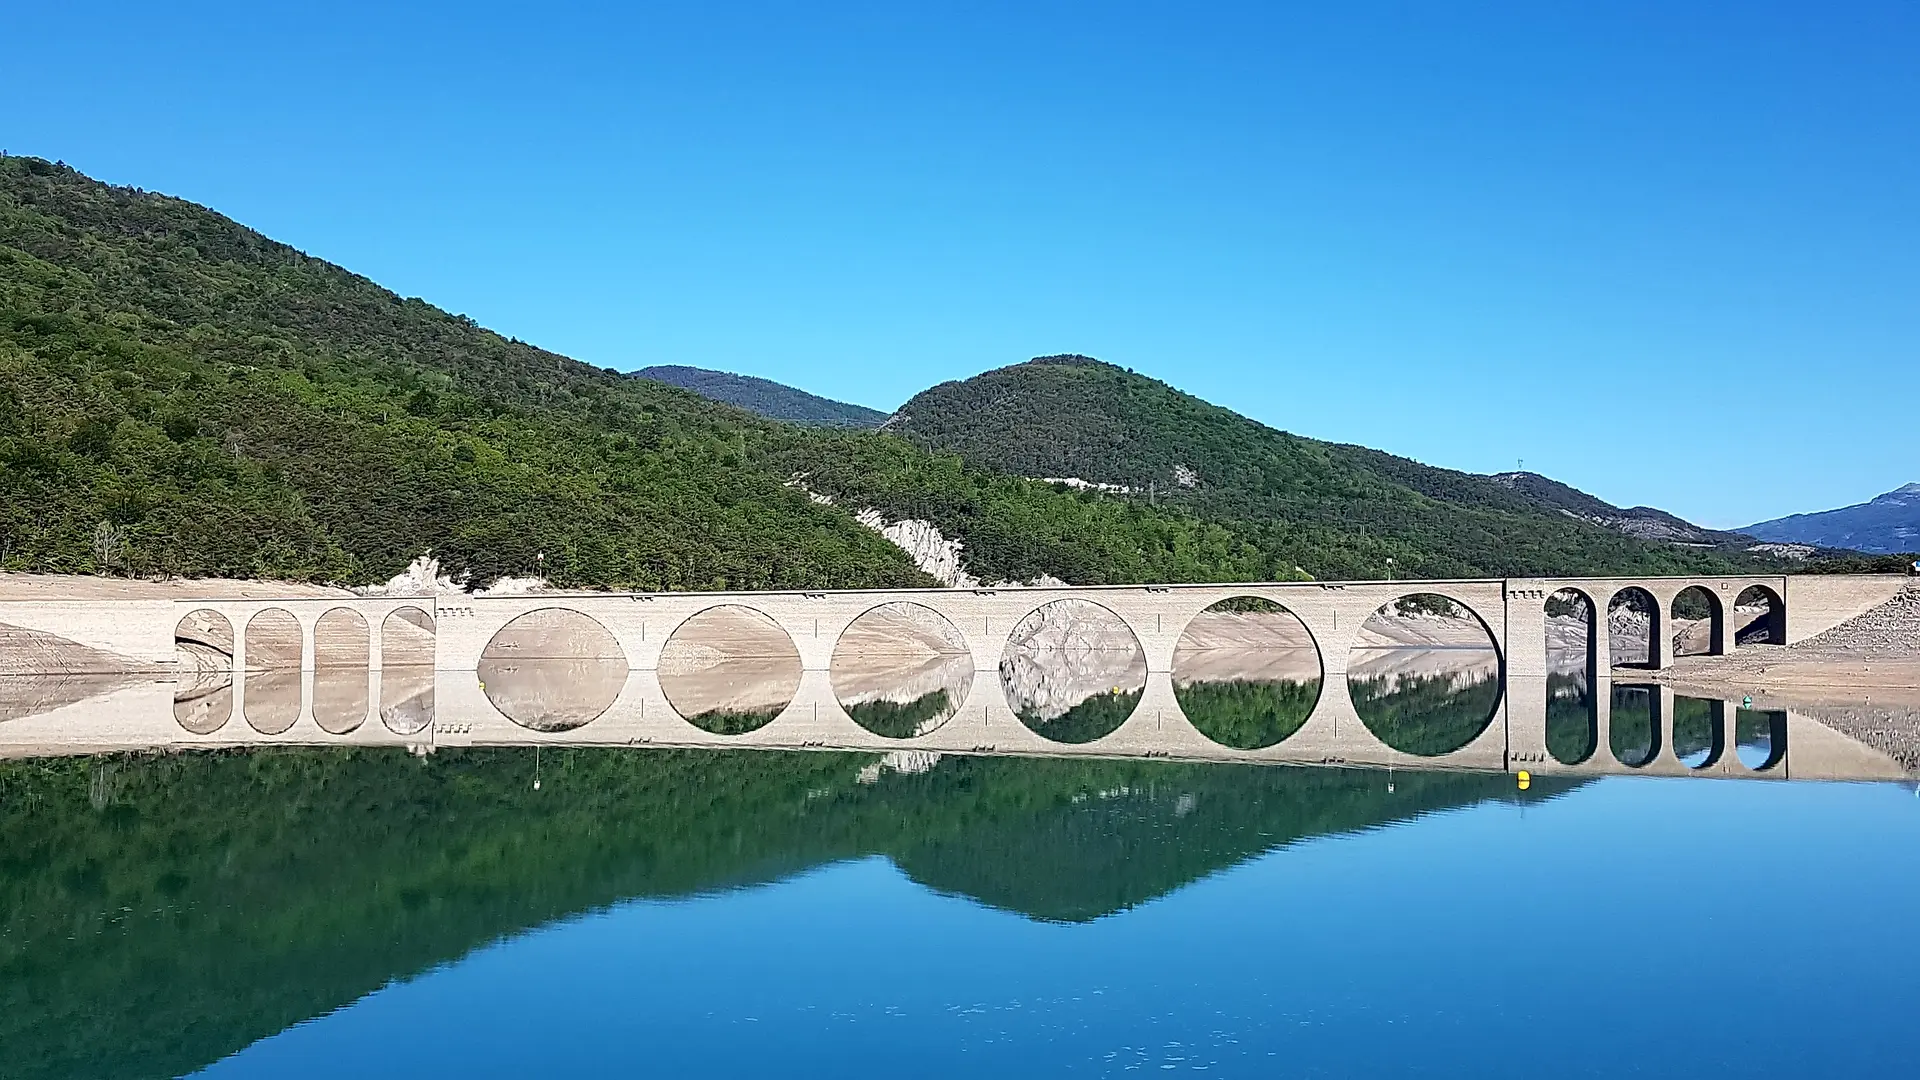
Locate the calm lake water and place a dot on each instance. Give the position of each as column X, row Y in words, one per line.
column 310, row 912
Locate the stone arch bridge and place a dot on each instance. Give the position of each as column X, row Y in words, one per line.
column 1513, row 612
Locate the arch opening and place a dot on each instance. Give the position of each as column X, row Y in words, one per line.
column 1247, row 673
column 1424, row 675
column 1573, row 713
column 408, row 644
column 342, row 656
column 1759, row 617
column 552, row 670
column 901, row 670
column 729, row 670
column 1699, row 731
column 1760, row 737
column 272, row 679
column 1697, row 624
column 1633, row 725
column 1633, row 620
column 203, row 671
column 1072, row 671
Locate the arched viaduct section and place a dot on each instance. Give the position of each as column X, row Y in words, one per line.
column 1513, row 611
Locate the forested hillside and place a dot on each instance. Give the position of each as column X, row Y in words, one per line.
column 775, row 401
column 182, row 395
column 1346, row 508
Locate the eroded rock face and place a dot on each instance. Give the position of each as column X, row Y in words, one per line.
column 930, row 550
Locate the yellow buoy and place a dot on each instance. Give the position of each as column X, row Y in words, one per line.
column 1525, row 779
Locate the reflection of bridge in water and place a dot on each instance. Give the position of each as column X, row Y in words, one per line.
column 434, row 672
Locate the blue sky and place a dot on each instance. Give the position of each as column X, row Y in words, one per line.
column 1667, row 252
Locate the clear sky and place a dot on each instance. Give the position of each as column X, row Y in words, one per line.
column 1667, row 252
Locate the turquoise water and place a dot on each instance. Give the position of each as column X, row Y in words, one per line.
column 327, row 912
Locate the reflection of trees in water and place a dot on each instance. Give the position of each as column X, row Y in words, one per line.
column 374, row 865
column 1632, row 733
column 1760, row 737
column 1572, row 720
column 1095, row 718
column 1696, row 731
column 1427, row 715
column 902, row 720
column 1248, row 714
column 734, row 721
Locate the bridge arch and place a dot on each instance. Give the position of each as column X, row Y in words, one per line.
column 1634, row 725
column 552, row 669
column 203, row 645
column 1699, row 731
column 270, row 690
column 900, row 669
column 1247, row 672
column 1632, row 643
column 1073, row 670
column 1760, row 738
column 1765, row 620
column 729, row 669
column 342, row 670
column 1425, row 674
column 1698, row 612
column 409, row 640
column 1572, row 631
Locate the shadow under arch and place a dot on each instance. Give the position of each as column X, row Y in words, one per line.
column 901, row 669
column 1698, row 608
column 1073, row 671
column 1247, row 672
column 729, row 669
column 1425, row 674
column 203, row 671
column 1631, row 635
column 408, row 645
column 271, row 682
column 342, row 670
column 552, row 669
column 1767, row 625
column 1572, row 711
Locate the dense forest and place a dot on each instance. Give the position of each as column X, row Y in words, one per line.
column 180, row 395
column 1345, row 509
column 153, row 919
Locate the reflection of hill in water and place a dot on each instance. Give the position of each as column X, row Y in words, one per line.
column 158, row 913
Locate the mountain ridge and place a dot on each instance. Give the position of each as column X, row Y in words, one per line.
column 1887, row 524
column 773, row 400
column 1071, row 416
column 181, row 395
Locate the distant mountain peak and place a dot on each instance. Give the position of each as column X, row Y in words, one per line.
column 1886, row 524
column 1071, row 360
column 775, row 401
